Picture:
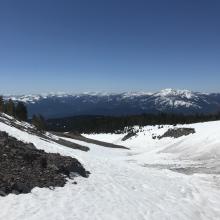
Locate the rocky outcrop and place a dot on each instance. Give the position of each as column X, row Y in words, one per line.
column 177, row 132
column 129, row 135
column 23, row 167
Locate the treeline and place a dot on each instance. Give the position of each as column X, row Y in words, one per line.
column 19, row 111
column 108, row 124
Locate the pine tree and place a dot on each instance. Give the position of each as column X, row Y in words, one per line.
column 21, row 111
column 10, row 108
column 34, row 120
column 1, row 104
column 39, row 122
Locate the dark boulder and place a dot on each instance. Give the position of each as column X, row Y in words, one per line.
column 177, row 132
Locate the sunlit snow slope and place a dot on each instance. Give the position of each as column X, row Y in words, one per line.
column 127, row 184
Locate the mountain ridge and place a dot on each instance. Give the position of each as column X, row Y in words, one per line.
column 164, row 92
column 126, row 103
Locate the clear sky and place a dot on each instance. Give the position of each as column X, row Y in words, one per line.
column 109, row 45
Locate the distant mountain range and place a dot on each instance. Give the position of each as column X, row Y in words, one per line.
column 115, row 104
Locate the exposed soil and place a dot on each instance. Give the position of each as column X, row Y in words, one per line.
column 79, row 137
column 23, row 167
column 71, row 145
column 203, row 167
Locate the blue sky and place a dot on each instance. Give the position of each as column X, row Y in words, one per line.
column 109, row 45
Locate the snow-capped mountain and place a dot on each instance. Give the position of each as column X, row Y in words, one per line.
column 167, row 100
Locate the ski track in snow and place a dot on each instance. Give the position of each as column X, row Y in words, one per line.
column 120, row 187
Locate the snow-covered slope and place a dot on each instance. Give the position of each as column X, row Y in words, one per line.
column 168, row 100
column 126, row 184
column 201, row 148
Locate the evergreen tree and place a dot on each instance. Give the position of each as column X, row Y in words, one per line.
column 21, row 112
column 39, row 122
column 34, row 120
column 1, row 104
column 10, row 108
